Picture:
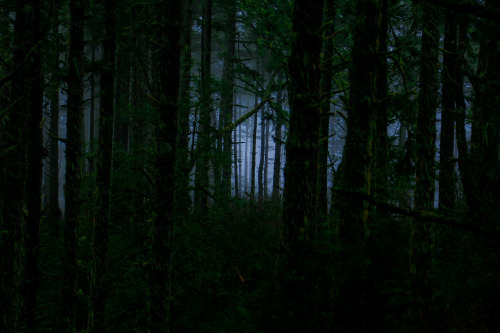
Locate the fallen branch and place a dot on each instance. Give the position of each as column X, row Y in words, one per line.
column 420, row 214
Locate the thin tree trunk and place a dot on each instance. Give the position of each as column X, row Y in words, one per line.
column 266, row 160
column 203, row 162
column 326, row 88
column 73, row 167
column 236, row 155
column 91, row 159
column 54, row 212
column 227, row 95
column 254, row 154
column 245, row 160
column 277, row 148
column 421, row 236
column 447, row 182
column 260, row 177
column 381, row 177
column 183, row 200
column 100, row 234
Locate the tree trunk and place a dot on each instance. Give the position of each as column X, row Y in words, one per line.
column 203, row 162
column 100, row 234
column 361, row 123
column 277, row 148
column 183, row 200
column 302, row 141
column 227, row 95
column 73, row 166
column 381, row 146
column 421, row 236
column 260, row 171
column 236, row 154
column 326, row 88
column 302, row 146
column 165, row 134
column 447, row 179
column 266, row 160
column 254, row 154
column 54, row 212
column 34, row 155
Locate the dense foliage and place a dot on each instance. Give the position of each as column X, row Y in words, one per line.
column 249, row 166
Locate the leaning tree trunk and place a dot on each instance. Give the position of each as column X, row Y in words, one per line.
column 100, row 234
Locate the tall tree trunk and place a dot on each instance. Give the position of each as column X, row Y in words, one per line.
column 34, row 155
column 277, row 148
column 100, row 234
column 254, row 153
column 203, row 162
column 13, row 168
column 236, row 155
column 54, row 212
column 421, row 236
column 227, row 95
column 22, row 173
column 91, row 159
column 381, row 146
column 73, row 166
column 464, row 162
column 165, row 135
column 361, row 123
column 266, row 160
column 302, row 141
column 326, row 88
column 245, row 164
column 260, row 171
column 122, row 99
column 485, row 128
column 183, row 200
column 447, row 180
column 302, row 146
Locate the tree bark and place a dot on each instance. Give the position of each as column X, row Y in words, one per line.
column 183, row 200
column 447, row 180
column 167, row 86
column 227, row 94
column 277, row 149
column 73, row 166
column 302, row 141
column 361, row 123
column 100, row 232
column 421, row 234
column 326, row 88
column 203, row 162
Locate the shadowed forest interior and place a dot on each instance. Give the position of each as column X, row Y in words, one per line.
column 249, row 166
